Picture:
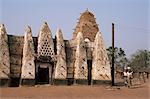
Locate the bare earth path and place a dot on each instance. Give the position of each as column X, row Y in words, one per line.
column 76, row 92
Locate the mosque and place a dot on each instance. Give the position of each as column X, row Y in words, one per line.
column 28, row 61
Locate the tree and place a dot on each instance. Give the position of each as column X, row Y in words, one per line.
column 140, row 61
column 120, row 59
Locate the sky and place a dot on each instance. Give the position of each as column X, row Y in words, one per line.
column 131, row 19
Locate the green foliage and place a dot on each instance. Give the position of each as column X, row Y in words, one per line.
column 119, row 57
column 140, row 61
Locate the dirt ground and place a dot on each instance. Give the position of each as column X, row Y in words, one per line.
column 77, row 92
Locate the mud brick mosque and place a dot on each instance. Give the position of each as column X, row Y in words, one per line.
column 29, row 61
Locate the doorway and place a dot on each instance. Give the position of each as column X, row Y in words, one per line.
column 43, row 75
column 89, row 63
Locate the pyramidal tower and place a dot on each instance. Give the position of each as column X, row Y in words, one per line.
column 101, row 66
column 81, row 71
column 45, row 56
column 28, row 65
column 61, row 67
column 45, row 42
column 4, row 57
column 87, row 25
column 91, row 59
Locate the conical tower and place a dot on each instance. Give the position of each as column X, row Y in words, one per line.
column 101, row 66
column 45, row 56
column 45, row 43
column 28, row 65
column 87, row 25
column 81, row 71
column 4, row 57
column 61, row 68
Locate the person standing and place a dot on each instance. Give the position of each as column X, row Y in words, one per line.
column 129, row 77
column 125, row 77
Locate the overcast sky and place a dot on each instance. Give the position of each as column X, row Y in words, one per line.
column 131, row 18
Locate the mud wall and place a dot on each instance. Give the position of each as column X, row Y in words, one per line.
column 15, row 44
